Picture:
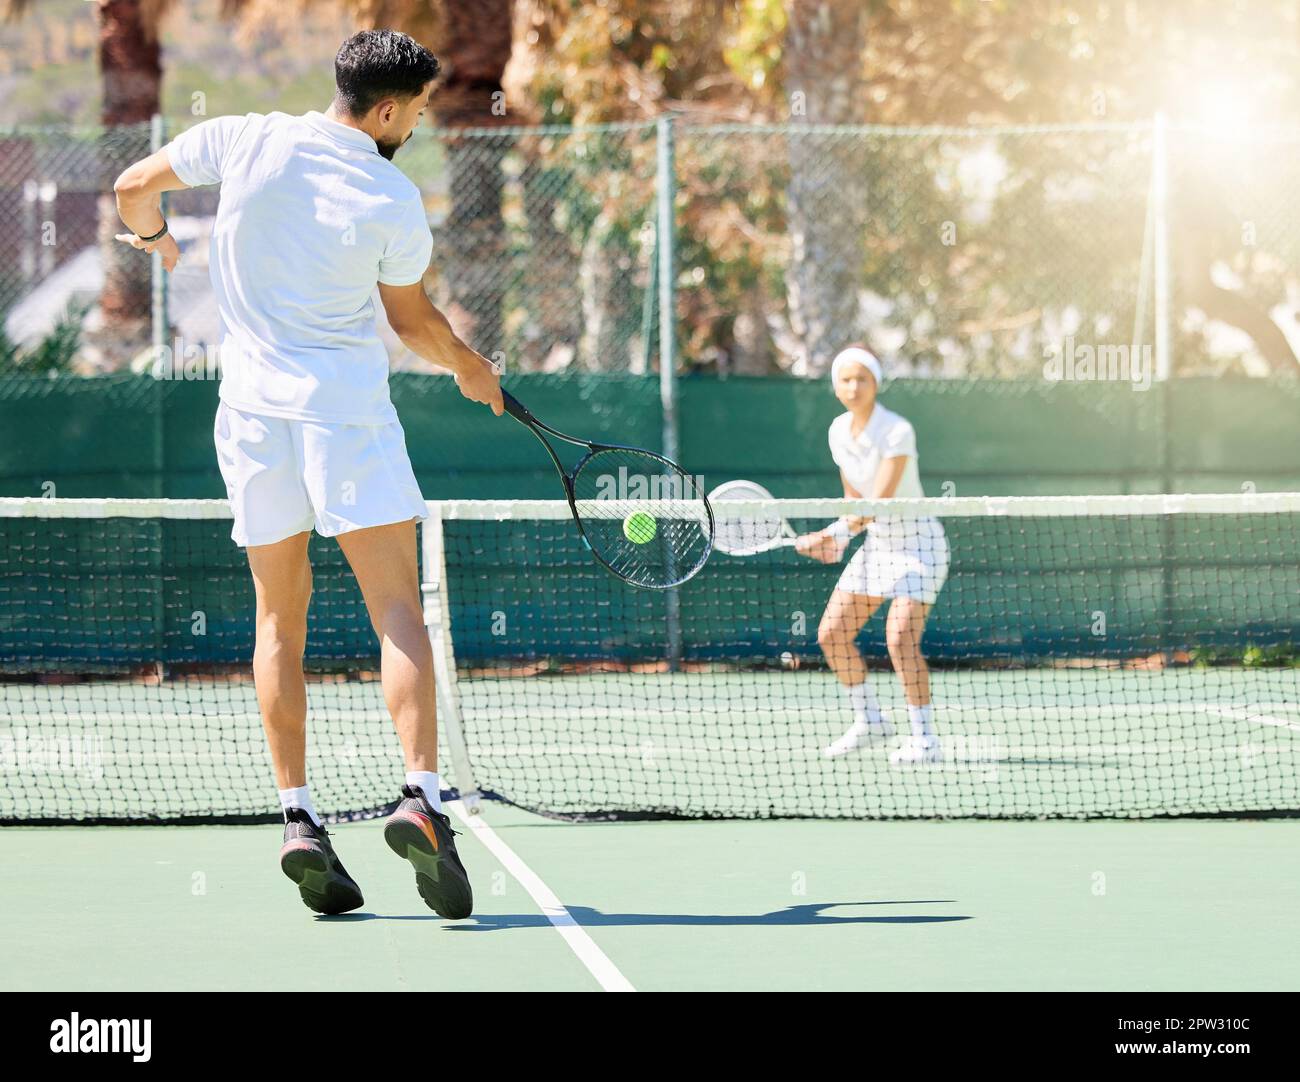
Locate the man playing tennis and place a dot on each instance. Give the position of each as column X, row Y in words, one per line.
column 902, row 560
column 312, row 215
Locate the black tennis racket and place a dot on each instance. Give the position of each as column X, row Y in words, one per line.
column 641, row 515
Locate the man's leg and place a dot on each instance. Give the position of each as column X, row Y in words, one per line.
column 384, row 559
column 282, row 581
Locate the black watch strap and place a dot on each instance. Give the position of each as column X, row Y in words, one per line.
column 157, row 236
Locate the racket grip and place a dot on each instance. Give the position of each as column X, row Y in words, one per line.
column 515, row 408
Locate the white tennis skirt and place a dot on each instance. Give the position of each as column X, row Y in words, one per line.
column 904, row 558
column 285, row 477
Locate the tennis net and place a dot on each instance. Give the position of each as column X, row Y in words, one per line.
column 1091, row 657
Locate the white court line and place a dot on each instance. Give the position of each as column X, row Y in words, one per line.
column 1254, row 719
column 597, row 962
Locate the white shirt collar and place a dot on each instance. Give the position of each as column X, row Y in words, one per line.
column 342, row 133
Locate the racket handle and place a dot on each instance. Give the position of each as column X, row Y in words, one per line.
column 516, row 409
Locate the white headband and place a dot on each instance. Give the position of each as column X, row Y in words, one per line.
column 856, row 355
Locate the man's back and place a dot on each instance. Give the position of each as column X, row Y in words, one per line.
column 311, row 217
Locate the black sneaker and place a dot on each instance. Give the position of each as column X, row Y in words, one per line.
column 310, row 861
column 423, row 836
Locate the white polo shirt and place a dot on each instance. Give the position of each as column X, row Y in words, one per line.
column 311, row 217
column 885, row 435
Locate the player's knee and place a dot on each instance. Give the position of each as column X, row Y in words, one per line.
column 899, row 638
column 398, row 618
column 277, row 632
column 831, row 637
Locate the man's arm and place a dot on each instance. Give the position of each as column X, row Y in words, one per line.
column 139, row 190
column 425, row 332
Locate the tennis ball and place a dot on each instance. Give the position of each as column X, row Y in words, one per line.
column 639, row 527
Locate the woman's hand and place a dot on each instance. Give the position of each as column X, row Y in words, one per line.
column 821, row 547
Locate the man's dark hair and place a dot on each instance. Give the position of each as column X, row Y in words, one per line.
column 376, row 64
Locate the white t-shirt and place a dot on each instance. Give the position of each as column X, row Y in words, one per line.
column 885, row 435
column 311, row 216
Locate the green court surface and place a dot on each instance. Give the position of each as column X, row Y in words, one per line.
column 774, row 905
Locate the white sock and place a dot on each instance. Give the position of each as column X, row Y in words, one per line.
column 299, row 798
column 428, row 781
column 866, row 707
column 922, row 719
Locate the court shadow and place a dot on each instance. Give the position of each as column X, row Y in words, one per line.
column 811, row 914
column 351, row 918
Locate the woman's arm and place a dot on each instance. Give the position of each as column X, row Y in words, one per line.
column 828, row 545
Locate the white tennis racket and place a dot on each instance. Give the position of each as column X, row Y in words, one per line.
column 747, row 531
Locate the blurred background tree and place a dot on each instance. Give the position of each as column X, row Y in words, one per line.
column 958, row 253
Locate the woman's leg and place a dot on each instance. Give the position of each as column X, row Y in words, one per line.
column 846, row 614
column 837, row 634
column 904, row 628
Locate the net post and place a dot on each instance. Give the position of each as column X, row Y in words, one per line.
column 437, row 621
column 666, row 249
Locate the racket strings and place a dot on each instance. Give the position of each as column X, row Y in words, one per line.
column 745, row 532
column 644, row 518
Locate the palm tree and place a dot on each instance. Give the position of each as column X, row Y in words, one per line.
column 826, row 84
column 474, row 43
column 131, row 71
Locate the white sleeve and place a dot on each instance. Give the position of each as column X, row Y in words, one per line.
column 830, row 439
column 899, row 441
column 198, row 154
column 409, row 250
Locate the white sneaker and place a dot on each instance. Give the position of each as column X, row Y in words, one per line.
column 917, row 751
column 859, row 735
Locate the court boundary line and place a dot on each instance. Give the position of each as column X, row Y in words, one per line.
column 596, row 961
column 1256, row 717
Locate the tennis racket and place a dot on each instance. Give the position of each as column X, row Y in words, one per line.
column 747, row 531
column 642, row 516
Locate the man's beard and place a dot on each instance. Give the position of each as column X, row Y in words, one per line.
column 388, row 149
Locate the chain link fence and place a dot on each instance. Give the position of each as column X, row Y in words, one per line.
column 956, row 252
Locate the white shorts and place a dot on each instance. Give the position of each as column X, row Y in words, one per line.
column 285, row 477
column 914, row 565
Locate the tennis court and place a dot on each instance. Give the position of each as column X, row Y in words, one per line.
column 799, row 496
column 703, row 905
column 644, row 797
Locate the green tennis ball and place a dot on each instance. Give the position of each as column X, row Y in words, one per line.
column 640, row 527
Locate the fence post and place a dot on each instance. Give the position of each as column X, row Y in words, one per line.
column 665, row 245
column 1160, row 197
column 157, row 276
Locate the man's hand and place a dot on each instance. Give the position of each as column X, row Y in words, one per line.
column 139, row 199
column 165, row 246
column 480, row 381
column 821, row 547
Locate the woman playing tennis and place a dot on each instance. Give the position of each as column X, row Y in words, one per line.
column 902, row 560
